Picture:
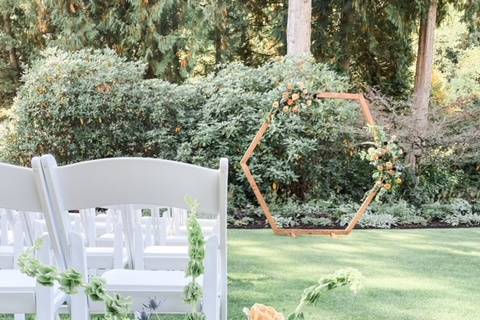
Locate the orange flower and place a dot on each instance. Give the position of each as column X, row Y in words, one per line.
column 289, row 102
column 387, row 186
column 262, row 312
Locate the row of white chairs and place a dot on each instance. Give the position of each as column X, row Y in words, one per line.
column 121, row 218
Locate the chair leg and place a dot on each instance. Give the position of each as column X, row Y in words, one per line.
column 45, row 296
column 45, row 304
column 79, row 306
column 79, row 302
column 211, row 306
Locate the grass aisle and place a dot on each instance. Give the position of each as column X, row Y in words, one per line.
column 409, row 274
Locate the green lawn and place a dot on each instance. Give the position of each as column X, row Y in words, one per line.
column 409, row 274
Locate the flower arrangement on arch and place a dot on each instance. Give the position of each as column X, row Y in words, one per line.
column 385, row 156
column 294, row 99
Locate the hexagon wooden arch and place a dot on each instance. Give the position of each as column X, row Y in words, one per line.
column 261, row 200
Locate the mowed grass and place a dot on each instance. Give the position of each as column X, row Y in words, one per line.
column 408, row 274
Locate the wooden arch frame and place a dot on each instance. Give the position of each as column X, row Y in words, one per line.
column 360, row 99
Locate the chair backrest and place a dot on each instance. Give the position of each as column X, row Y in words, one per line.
column 144, row 181
column 19, row 192
column 133, row 181
column 18, row 189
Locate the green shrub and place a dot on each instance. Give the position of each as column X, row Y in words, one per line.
column 94, row 104
column 465, row 82
column 401, row 210
column 371, row 220
column 307, row 155
column 455, row 212
column 435, row 211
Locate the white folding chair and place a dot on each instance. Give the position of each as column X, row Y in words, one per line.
column 141, row 181
column 20, row 294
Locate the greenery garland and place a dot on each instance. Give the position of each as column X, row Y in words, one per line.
column 193, row 291
column 71, row 281
column 116, row 306
column 311, row 296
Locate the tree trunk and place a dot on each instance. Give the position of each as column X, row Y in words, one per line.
column 299, row 27
column 12, row 53
column 423, row 80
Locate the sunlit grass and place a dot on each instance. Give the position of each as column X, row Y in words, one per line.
column 409, row 274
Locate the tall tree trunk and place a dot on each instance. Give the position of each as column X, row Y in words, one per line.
column 299, row 27
column 423, row 80
column 12, row 52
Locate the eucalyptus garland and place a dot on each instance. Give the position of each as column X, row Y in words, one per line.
column 71, row 281
column 311, row 296
column 193, row 291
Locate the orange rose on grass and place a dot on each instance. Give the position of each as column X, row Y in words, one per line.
column 263, row 312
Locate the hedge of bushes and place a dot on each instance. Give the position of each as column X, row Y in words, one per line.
column 92, row 104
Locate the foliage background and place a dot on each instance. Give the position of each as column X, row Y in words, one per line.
column 92, row 103
column 192, row 81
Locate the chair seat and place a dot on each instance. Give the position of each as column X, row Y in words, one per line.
column 15, row 281
column 177, row 240
column 105, row 240
column 166, row 251
column 141, row 285
column 102, row 257
column 122, row 280
column 17, row 292
column 166, row 258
